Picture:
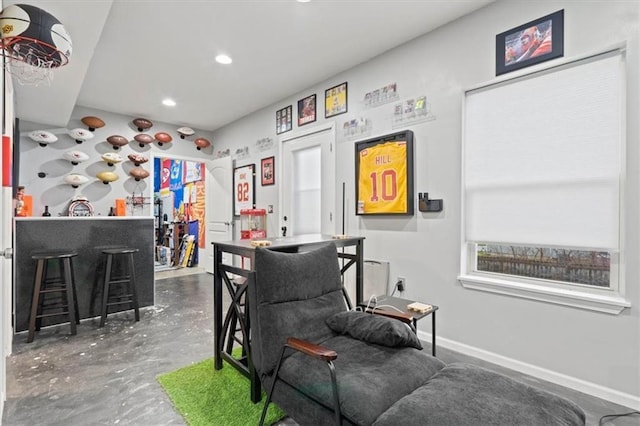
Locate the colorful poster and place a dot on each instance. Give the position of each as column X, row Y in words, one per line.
column 192, row 171
column 175, row 180
column 189, row 194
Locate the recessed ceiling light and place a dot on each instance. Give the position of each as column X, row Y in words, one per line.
column 223, row 59
column 169, row 102
column 303, row 1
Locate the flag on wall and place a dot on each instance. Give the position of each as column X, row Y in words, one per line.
column 175, row 181
column 6, row 160
column 188, row 197
column 165, row 175
column 157, row 169
column 192, row 171
column 178, row 200
column 197, row 209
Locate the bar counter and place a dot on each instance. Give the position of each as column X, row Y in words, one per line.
column 88, row 236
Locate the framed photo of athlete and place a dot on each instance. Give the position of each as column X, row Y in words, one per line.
column 307, row 110
column 244, row 183
column 532, row 43
column 335, row 100
column 268, row 174
column 284, row 119
column 384, row 175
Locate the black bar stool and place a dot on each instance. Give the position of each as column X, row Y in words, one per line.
column 126, row 293
column 53, row 294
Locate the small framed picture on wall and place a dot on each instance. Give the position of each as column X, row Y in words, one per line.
column 284, row 119
column 532, row 43
column 268, row 172
column 307, row 110
column 335, row 100
column 244, row 182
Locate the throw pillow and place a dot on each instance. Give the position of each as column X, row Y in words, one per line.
column 374, row 329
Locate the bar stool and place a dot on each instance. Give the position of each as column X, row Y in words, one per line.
column 119, row 289
column 53, row 294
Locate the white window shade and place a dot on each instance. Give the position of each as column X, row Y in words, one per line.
column 543, row 157
column 307, row 184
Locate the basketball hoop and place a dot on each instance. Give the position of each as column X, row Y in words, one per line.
column 33, row 43
column 30, row 61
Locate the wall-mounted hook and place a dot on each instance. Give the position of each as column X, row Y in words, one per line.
column 427, row 205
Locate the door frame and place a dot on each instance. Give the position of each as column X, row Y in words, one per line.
column 331, row 197
column 207, row 253
column 6, row 234
column 202, row 252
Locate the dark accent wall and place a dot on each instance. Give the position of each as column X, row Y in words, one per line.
column 88, row 236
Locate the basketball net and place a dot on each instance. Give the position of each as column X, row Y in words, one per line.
column 30, row 61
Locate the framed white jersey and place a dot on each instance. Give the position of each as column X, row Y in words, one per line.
column 244, row 183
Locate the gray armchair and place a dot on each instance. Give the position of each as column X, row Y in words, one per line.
column 323, row 364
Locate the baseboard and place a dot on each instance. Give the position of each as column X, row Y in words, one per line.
column 574, row 383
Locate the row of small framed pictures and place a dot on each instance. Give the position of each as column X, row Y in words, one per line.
column 531, row 43
column 335, row 103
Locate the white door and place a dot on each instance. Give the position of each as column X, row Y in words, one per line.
column 307, row 191
column 218, row 207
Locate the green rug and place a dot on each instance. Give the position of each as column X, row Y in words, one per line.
column 205, row 396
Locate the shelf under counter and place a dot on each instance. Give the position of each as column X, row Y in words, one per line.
column 88, row 236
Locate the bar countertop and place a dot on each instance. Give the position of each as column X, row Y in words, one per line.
column 41, row 218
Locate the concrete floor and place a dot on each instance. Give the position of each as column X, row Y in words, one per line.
column 108, row 376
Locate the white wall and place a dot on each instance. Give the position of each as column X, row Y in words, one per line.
column 594, row 352
column 52, row 191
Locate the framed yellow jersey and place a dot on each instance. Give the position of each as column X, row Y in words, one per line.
column 384, row 175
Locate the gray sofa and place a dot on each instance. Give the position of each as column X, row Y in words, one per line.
column 310, row 352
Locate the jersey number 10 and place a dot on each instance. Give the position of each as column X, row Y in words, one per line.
column 387, row 182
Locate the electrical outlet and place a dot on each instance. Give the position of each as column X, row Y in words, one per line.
column 401, row 284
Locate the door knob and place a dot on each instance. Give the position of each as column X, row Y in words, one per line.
column 7, row 253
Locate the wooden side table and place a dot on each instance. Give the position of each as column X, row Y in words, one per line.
column 402, row 304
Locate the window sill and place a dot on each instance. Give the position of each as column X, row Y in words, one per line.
column 610, row 303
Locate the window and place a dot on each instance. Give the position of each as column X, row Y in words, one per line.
column 588, row 268
column 543, row 172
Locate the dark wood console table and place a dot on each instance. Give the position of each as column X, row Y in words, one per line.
column 225, row 274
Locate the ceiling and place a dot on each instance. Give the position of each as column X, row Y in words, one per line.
column 130, row 55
